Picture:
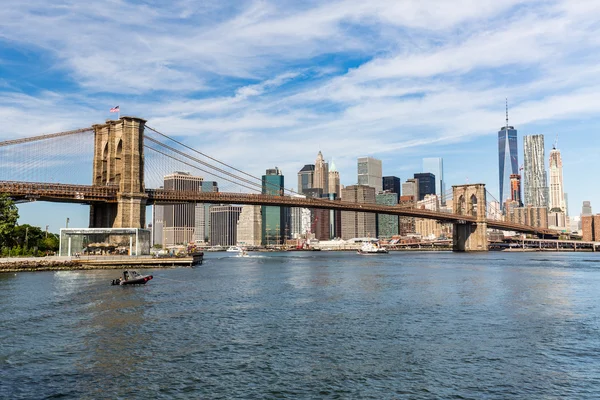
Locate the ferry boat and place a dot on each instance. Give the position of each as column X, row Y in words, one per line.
column 371, row 248
column 234, row 249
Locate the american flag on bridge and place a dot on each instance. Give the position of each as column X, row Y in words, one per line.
column 114, row 109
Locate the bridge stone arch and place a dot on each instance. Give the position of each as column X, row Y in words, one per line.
column 470, row 200
column 119, row 162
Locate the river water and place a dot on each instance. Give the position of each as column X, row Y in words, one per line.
column 310, row 325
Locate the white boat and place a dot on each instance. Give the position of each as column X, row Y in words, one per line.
column 243, row 253
column 371, row 248
column 234, row 249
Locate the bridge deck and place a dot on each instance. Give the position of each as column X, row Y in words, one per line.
column 88, row 194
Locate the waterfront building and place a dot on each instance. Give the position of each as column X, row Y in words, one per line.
column 321, row 179
column 334, row 181
column 179, row 220
column 575, row 224
column 370, row 173
column 392, row 184
column 274, row 219
column 508, row 158
column 590, row 228
column 306, row 177
column 223, row 224
column 535, row 181
column 426, row 184
column 249, row 226
column 358, row 224
column 435, row 165
column 387, row 225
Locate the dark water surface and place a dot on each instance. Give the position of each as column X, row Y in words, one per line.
column 310, row 325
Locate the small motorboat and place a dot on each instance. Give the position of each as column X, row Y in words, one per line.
column 131, row 278
column 371, row 248
column 243, row 253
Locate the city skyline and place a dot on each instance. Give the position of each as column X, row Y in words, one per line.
column 261, row 75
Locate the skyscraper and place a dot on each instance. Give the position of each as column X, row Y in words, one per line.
column 435, row 165
column 179, row 220
column 370, row 173
column 426, row 184
column 274, row 221
column 557, row 195
column 508, row 158
column 392, row 184
column 515, row 189
column 586, row 209
column 358, row 224
column 306, row 177
column 535, row 182
column 321, row 179
column 223, row 224
column 334, row 181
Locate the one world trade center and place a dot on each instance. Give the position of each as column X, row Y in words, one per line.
column 508, row 158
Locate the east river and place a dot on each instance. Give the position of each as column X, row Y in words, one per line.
column 310, row 325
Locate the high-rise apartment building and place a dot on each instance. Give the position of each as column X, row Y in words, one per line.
column 306, row 177
column 321, row 180
column 334, row 181
column 387, row 225
column 557, row 194
column 223, row 224
column 275, row 220
column 426, row 184
column 179, row 220
column 370, row 173
column 535, row 182
column 358, row 224
column 435, row 165
column 392, row 184
column 508, row 158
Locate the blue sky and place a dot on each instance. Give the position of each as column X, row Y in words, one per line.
column 395, row 80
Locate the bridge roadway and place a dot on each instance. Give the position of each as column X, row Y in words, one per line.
column 87, row 194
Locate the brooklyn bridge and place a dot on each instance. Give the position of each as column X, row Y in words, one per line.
column 129, row 157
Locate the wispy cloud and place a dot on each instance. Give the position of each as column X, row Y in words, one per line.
column 390, row 79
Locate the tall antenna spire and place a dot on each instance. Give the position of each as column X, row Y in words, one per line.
column 507, row 113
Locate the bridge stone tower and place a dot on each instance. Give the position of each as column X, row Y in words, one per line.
column 470, row 200
column 119, row 161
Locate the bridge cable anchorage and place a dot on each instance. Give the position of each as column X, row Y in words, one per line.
column 44, row 137
column 196, row 167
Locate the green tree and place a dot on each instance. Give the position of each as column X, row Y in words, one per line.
column 9, row 214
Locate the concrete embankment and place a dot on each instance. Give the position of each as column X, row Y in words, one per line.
column 72, row 264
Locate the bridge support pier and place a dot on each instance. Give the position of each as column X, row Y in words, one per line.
column 119, row 161
column 470, row 200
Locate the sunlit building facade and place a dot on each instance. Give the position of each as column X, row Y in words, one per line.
column 535, row 182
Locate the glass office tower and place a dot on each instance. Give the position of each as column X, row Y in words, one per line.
column 508, row 160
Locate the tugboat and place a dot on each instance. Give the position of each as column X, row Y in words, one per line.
column 371, row 248
column 131, row 278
